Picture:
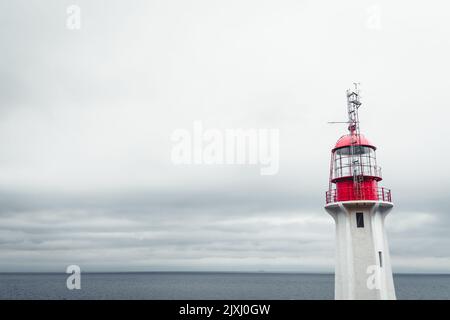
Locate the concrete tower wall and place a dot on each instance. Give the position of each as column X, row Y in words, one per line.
column 363, row 268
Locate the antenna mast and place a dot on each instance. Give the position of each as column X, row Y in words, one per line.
column 353, row 104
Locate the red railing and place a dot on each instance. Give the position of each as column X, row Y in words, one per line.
column 350, row 194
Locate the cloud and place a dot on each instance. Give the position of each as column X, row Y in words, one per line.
column 177, row 239
column 86, row 118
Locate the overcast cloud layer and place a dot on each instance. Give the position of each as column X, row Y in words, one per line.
column 86, row 118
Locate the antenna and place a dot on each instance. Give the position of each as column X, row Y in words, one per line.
column 353, row 105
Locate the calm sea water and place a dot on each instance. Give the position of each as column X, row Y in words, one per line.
column 178, row 285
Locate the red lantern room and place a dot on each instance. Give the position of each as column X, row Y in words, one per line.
column 354, row 173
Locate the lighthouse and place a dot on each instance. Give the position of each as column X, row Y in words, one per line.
column 359, row 207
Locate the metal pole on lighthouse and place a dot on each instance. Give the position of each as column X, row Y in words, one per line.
column 359, row 207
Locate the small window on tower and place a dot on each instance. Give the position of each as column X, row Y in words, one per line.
column 380, row 256
column 359, row 220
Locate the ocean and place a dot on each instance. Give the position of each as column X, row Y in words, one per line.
column 204, row 286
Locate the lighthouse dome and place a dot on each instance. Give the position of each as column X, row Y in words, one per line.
column 346, row 141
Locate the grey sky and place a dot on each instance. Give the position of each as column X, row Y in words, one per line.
column 86, row 118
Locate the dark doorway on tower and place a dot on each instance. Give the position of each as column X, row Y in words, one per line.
column 359, row 220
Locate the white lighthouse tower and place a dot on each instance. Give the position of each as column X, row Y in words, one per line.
column 359, row 207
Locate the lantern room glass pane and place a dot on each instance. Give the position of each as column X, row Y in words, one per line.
column 355, row 160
